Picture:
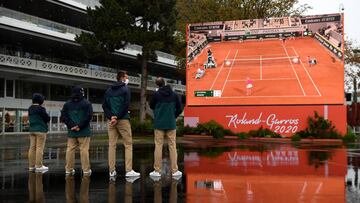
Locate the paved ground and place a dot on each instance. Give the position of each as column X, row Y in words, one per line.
column 214, row 171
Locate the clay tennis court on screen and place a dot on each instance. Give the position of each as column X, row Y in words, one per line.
column 272, row 68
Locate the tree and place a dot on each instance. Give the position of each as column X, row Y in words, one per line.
column 352, row 65
column 196, row 11
column 116, row 23
column 352, row 74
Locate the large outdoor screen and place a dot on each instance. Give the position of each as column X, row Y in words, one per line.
column 283, row 60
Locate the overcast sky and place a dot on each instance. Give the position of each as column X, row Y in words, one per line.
column 352, row 13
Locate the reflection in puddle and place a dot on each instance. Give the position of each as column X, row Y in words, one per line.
column 214, row 171
column 286, row 174
column 35, row 186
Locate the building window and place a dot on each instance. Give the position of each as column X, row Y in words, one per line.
column 2, row 87
column 25, row 89
column 60, row 92
column 96, row 95
column 9, row 88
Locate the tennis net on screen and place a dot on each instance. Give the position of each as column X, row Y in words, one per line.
column 261, row 61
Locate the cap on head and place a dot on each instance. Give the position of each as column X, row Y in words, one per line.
column 38, row 98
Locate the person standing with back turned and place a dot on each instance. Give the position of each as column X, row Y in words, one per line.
column 77, row 113
column 38, row 119
column 116, row 106
column 167, row 107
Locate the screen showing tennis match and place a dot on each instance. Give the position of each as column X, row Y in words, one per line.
column 282, row 60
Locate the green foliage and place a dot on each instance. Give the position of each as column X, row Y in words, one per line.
column 295, row 138
column 116, row 23
column 261, row 132
column 213, row 128
column 217, row 131
column 319, row 128
column 229, row 132
column 208, row 128
column 138, row 128
column 350, row 136
column 242, row 135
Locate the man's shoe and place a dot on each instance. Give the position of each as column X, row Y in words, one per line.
column 155, row 174
column 132, row 173
column 41, row 169
column 177, row 173
column 31, row 168
column 112, row 173
column 72, row 172
column 176, row 177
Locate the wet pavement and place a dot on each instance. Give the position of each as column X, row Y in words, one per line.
column 214, row 171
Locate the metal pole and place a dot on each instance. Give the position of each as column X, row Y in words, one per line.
column 3, row 121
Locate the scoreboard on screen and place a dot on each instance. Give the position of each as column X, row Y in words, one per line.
column 207, row 93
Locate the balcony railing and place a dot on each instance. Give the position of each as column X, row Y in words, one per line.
column 40, row 22
column 108, row 75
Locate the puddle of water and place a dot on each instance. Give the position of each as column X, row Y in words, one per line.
column 214, row 171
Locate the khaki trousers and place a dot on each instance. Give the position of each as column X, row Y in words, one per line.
column 36, row 150
column 123, row 128
column 159, row 141
column 83, row 143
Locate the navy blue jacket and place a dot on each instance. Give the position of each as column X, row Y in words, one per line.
column 116, row 101
column 167, row 107
column 38, row 118
column 77, row 111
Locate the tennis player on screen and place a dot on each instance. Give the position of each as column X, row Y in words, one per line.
column 249, row 86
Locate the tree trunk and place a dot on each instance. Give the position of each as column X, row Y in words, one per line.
column 143, row 87
column 355, row 90
column 355, row 109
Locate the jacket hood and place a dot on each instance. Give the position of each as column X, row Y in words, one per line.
column 165, row 90
column 117, row 85
column 38, row 98
column 77, row 93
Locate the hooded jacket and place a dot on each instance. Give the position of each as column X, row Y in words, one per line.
column 38, row 116
column 167, row 107
column 77, row 111
column 116, row 101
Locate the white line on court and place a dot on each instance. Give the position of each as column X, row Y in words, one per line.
column 264, row 55
column 264, row 59
column 222, row 90
column 297, row 77
column 260, row 68
column 245, row 66
column 302, row 64
column 264, row 79
column 220, row 70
